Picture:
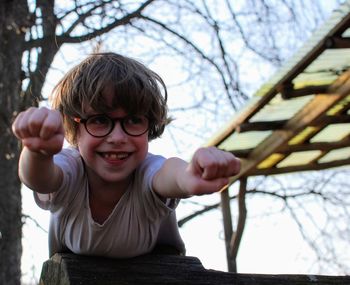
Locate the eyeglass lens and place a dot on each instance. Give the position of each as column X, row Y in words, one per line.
column 102, row 125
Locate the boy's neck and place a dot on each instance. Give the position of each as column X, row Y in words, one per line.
column 103, row 197
column 108, row 192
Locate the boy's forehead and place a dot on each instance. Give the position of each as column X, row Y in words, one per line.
column 110, row 99
column 101, row 103
column 115, row 112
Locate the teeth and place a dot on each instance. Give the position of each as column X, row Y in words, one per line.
column 116, row 155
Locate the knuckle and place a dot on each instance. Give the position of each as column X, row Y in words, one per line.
column 199, row 151
column 34, row 123
column 48, row 128
column 21, row 130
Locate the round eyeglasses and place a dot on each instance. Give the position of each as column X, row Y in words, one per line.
column 102, row 125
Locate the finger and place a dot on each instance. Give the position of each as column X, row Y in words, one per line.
column 52, row 125
column 21, row 123
column 214, row 163
column 226, row 165
column 36, row 120
column 49, row 147
column 16, row 126
column 21, row 126
column 210, row 165
column 210, row 186
column 233, row 165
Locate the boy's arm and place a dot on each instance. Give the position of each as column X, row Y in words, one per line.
column 38, row 172
column 208, row 172
column 41, row 132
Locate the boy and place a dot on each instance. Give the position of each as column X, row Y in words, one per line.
column 107, row 195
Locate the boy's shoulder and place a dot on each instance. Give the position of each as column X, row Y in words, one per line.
column 70, row 151
column 153, row 158
column 150, row 164
column 68, row 158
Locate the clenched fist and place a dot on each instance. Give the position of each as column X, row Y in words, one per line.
column 209, row 171
column 40, row 130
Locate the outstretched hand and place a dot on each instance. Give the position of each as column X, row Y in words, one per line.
column 40, row 130
column 209, row 171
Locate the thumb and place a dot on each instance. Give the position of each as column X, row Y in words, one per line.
column 47, row 147
column 209, row 186
column 195, row 168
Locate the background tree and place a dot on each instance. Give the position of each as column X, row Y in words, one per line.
column 209, row 43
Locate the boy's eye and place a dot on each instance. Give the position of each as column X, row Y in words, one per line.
column 134, row 120
column 99, row 120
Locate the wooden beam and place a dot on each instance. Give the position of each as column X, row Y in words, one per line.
column 299, row 168
column 241, row 153
column 278, row 124
column 288, row 93
column 323, row 146
column 286, row 148
column 337, row 42
column 327, row 120
column 261, row 126
column 153, row 269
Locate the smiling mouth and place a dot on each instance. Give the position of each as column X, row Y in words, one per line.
column 115, row 156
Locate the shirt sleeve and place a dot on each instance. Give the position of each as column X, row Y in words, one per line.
column 156, row 207
column 159, row 208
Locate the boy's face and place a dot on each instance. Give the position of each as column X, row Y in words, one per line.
column 112, row 158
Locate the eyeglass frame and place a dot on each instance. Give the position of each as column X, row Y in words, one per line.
column 113, row 120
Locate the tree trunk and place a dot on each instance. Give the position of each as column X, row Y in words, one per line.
column 13, row 18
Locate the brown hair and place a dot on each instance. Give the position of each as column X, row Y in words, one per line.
column 135, row 87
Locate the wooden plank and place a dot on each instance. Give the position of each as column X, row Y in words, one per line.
column 299, row 168
column 327, row 120
column 287, row 149
column 261, row 126
column 278, row 124
column 160, row 269
column 338, row 42
column 289, row 92
column 322, row 146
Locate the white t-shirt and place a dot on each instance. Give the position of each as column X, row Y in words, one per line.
column 139, row 221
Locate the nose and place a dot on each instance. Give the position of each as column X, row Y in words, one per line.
column 117, row 135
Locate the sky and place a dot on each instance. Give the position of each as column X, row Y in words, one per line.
column 274, row 237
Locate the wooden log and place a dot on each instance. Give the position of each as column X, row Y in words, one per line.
column 71, row 269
